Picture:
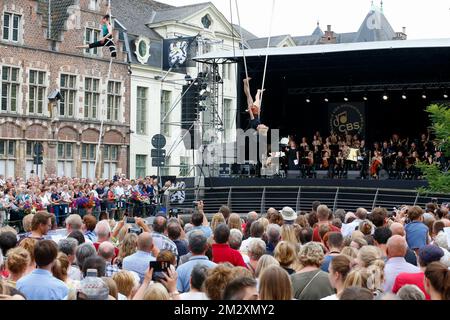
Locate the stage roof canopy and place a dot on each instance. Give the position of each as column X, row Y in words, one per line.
column 326, row 48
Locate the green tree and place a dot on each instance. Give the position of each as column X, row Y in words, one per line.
column 438, row 181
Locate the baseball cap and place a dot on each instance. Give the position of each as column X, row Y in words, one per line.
column 288, row 214
column 430, row 253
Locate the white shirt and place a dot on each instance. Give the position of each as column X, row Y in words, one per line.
column 193, row 296
column 332, row 297
column 348, row 228
column 245, row 244
column 118, row 191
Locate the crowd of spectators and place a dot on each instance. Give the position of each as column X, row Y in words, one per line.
column 63, row 196
column 276, row 255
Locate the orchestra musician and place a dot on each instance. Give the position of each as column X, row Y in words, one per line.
column 363, row 159
column 293, row 156
column 377, row 163
column 340, row 164
column 399, row 164
column 346, row 153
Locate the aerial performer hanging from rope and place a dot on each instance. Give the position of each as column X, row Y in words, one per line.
column 107, row 33
column 254, row 107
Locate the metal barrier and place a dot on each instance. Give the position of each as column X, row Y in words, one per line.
column 244, row 199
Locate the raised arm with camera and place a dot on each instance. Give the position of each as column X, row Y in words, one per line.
column 200, row 207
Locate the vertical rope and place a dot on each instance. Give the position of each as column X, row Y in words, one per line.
column 232, row 27
column 267, row 51
column 242, row 38
column 102, row 117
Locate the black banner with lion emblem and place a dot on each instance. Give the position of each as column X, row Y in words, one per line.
column 178, row 53
column 347, row 118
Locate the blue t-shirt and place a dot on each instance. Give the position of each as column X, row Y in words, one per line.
column 416, row 234
column 326, row 263
column 42, row 285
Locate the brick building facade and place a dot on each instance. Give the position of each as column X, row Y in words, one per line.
column 33, row 63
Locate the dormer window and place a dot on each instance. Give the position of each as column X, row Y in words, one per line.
column 142, row 49
column 93, row 5
column 206, row 21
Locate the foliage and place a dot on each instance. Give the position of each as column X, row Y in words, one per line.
column 438, row 181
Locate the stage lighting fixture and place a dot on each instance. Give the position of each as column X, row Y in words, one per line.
column 404, row 97
column 365, row 98
column 308, row 100
column 424, row 95
column 346, row 99
column 326, row 99
column 385, row 96
column 445, row 95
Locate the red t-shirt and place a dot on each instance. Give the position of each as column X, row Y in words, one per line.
column 404, row 279
column 116, row 250
column 223, row 253
column 316, row 236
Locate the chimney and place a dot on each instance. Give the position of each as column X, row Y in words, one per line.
column 329, row 28
column 404, row 30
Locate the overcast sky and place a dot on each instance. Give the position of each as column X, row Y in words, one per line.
column 422, row 19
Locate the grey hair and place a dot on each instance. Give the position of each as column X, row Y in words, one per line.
column 188, row 227
column 273, row 233
column 103, row 229
column 256, row 248
column 68, row 246
column 75, row 221
column 411, row 292
column 235, row 239
column 83, row 252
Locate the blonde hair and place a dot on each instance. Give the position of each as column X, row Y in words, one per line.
column 275, row 284
column 29, row 244
column 217, row 279
column 18, row 260
column 156, row 291
column 350, row 252
column 234, row 222
column 311, row 254
column 285, row 253
column 123, row 232
column 288, row 234
column 264, row 222
column 113, row 291
column 125, row 282
column 128, row 246
column 356, row 278
column 263, row 263
column 369, row 255
column 216, row 220
column 61, row 266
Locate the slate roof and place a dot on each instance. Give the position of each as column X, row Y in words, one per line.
column 247, row 35
column 59, row 15
column 262, row 42
column 375, row 27
column 135, row 14
column 368, row 31
column 317, row 31
column 176, row 13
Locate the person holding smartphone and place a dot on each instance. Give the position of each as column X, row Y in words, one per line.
column 168, row 279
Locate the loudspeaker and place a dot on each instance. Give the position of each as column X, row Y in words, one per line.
column 189, row 115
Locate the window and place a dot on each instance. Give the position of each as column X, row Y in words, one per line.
column 141, row 166
column 68, row 92
column 114, row 101
column 65, row 160
column 93, row 5
column 141, row 112
column 227, row 69
column 36, row 93
column 206, row 21
column 110, row 159
column 142, row 52
column 91, row 97
column 165, row 108
column 229, row 113
column 7, row 158
column 91, row 36
column 10, row 89
column 11, row 27
column 88, row 153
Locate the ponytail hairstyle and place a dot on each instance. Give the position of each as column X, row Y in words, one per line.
column 439, row 277
column 356, row 278
column 342, row 265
